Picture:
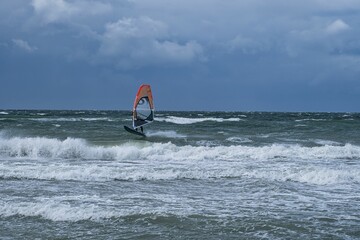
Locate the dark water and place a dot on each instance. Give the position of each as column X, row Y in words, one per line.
column 198, row 175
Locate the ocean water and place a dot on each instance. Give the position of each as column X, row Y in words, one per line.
column 198, row 175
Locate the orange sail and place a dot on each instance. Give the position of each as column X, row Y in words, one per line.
column 143, row 110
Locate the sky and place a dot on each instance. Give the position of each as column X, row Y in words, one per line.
column 208, row 55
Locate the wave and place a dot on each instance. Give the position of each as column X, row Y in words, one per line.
column 75, row 159
column 75, row 148
column 311, row 119
column 4, row 113
column 326, row 142
column 90, row 172
column 71, row 119
column 71, row 208
column 167, row 134
column 239, row 140
column 183, row 120
column 74, row 208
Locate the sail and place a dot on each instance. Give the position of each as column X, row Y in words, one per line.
column 143, row 111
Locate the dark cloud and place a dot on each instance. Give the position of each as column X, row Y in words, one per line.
column 249, row 55
column 135, row 42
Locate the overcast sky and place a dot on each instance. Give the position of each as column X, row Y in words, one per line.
column 231, row 55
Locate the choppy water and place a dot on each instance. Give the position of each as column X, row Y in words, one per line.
column 199, row 175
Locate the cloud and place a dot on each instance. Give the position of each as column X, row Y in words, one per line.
column 136, row 42
column 319, row 37
column 247, row 45
column 337, row 27
column 24, row 45
column 120, row 35
column 173, row 51
column 61, row 10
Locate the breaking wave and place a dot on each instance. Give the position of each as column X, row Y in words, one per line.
column 239, row 140
column 75, row 159
column 73, row 209
column 318, row 175
column 167, row 134
column 183, row 120
column 63, row 119
column 75, row 148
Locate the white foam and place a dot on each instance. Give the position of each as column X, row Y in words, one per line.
column 72, row 119
column 183, row 120
column 325, row 176
column 311, row 119
column 207, row 143
column 167, row 134
column 239, row 140
column 170, row 170
column 4, row 113
column 44, row 158
column 71, row 148
column 56, row 209
column 89, row 207
column 326, row 142
column 309, row 175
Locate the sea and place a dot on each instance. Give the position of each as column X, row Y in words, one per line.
column 197, row 175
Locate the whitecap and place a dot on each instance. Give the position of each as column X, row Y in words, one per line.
column 59, row 210
column 74, row 148
column 83, row 207
column 239, row 140
column 47, row 159
column 166, row 134
column 309, row 175
column 71, row 119
column 326, row 142
column 183, row 120
column 311, row 119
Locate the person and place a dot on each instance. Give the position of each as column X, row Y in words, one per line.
column 135, row 118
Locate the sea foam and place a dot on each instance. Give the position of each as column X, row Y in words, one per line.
column 75, row 208
column 75, row 159
column 74, row 148
column 167, row 134
column 184, row 120
column 59, row 210
column 63, row 119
